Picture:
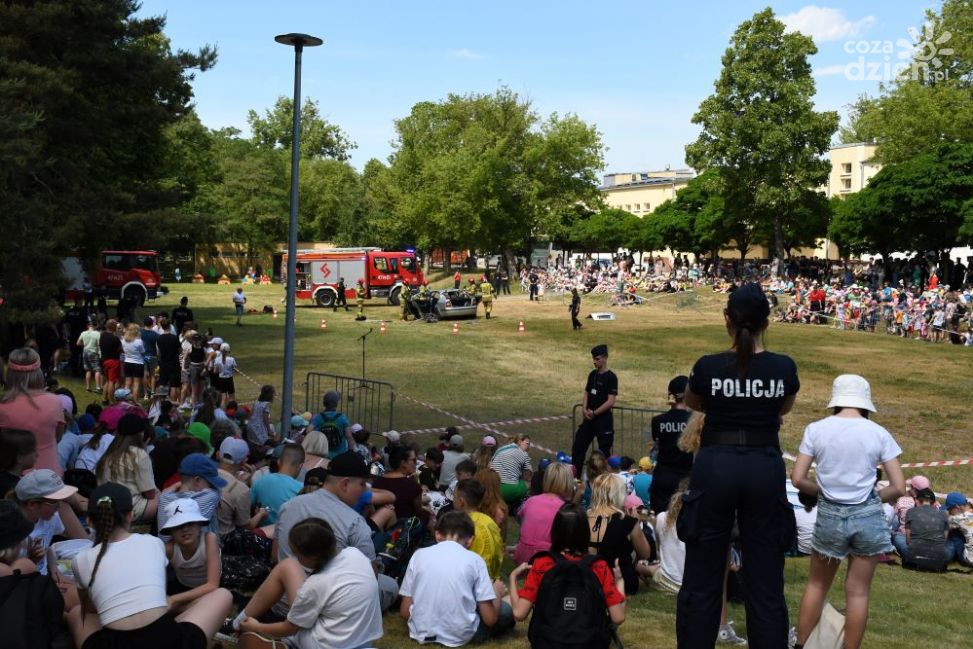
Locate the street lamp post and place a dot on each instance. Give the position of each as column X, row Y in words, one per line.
column 298, row 42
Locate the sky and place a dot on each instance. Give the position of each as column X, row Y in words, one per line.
column 635, row 70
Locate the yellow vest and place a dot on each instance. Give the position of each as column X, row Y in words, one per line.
column 487, row 289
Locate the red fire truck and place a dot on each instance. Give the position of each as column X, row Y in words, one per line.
column 133, row 273
column 384, row 272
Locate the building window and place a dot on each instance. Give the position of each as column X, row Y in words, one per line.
column 638, row 207
column 846, row 184
column 846, row 167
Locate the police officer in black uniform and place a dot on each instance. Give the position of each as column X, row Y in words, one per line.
column 738, row 474
column 672, row 464
column 600, row 392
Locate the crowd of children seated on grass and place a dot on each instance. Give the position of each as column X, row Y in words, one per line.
column 122, row 527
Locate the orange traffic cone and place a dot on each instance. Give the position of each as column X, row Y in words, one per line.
column 324, row 325
column 520, row 327
column 455, row 328
column 381, row 329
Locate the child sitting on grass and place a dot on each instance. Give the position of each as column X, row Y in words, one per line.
column 193, row 554
column 333, row 596
column 447, row 595
column 487, row 541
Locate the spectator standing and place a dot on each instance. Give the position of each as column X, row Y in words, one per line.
column 133, row 360
column 110, row 347
column 259, row 430
column 90, row 356
column 738, row 474
column 182, row 314
column 239, row 300
column 600, row 392
column 169, row 348
column 150, row 339
column 850, row 521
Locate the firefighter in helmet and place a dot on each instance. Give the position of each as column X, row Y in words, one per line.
column 486, row 290
column 360, row 299
column 405, row 297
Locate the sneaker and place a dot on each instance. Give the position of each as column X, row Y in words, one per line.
column 792, row 638
column 728, row 636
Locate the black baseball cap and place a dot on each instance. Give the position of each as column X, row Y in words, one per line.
column 750, row 303
column 348, row 465
column 678, row 385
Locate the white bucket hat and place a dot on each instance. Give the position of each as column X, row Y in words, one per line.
column 851, row 391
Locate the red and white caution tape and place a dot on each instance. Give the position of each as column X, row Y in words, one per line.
column 911, row 465
column 916, row 465
column 475, row 424
column 508, row 422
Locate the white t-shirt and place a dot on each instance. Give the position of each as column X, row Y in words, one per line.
column 131, row 577
column 446, row 582
column 847, row 450
column 338, row 606
column 672, row 551
column 239, row 299
column 133, row 352
column 45, row 531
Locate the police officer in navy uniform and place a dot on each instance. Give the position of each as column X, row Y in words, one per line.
column 738, row 475
column 600, row 392
column 340, row 299
column 671, row 464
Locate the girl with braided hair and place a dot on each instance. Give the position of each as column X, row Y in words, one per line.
column 122, row 583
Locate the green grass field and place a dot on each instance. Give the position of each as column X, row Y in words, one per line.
column 489, row 372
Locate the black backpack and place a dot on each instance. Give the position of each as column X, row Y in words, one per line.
column 329, row 427
column 31, row 607
column 570, row 610
column 401, row 542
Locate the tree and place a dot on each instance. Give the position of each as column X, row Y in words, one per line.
column 922, row 204
column 858, row 127
column 482, row 172
column 760, row 130
column 331, row 202
column 319, row 138
column 86, row 92
column 609, row 229
column 930, row 101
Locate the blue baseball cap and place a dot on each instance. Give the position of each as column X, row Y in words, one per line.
column 955, row 499
column 615, row 462
column 563, row 457
column 544, row 463
column 197, row 464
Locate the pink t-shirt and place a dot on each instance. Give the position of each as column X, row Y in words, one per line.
column 42, row 418
column 536, row 517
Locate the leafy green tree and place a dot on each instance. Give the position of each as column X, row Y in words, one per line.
column 86, row 91
column 330, row 205
column 319, row 138
column 483, row 172
column 858, row 127
column 921, row 204
column 760, row 130
column 931, row 101
column 378, row 222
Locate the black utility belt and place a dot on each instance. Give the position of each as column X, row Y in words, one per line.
column 739, row 437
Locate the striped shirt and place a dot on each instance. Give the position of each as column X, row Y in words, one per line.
column 510, row 462
column 208, row 501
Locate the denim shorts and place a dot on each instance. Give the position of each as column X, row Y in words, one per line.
column 859, row 529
